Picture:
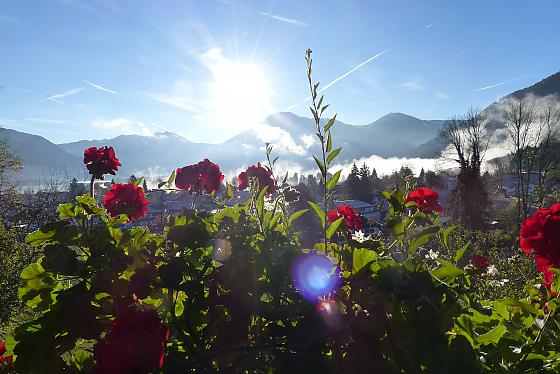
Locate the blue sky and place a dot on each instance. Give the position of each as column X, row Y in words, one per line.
column 208, row 70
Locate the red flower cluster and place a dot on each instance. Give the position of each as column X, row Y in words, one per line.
column 7, row 359
column 100, row 161
column 479, row 261
column 263, row 175
column 204, row 175
column 540, row 235
column 135, row 343
column 426, row 199
column 126, row 199
column 351, row 218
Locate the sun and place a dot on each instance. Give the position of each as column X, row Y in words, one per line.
column 240, row 92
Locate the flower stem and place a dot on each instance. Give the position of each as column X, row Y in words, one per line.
column 317, row 117
column 91, row 188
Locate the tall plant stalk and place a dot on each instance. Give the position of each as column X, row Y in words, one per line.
column 327, row 154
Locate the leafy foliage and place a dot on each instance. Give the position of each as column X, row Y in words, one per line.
column 222, row 283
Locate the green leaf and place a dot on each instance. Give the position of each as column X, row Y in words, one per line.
column 448, row 231
column 333, row 154
column 329, row 142
column 318, row 211
column 332, row 182
column 362, row 257
column 274, row 220
column 459, row 254
column 297, row 214
column 492, row 336
column 230, row 191
column 519, row 303
column 274, row 161
column 321, row 166
column 333, row 227
column 66, row 210
column 260, row 200
column 169, row 182
column 61, row 260
column 330, row 123
column 447, row 271
column 179, row 308
column 422, row 238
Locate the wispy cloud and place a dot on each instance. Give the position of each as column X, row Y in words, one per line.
column 429, row 26
column 99, row 87
column 176, row 101
column 441, row 95
column 46, row 121
column 57, row 97
column 502, row 83
column 291, row 21
column 415, row 84
column 339, row 78
column 124, row 126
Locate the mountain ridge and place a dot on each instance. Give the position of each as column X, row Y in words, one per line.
column 293, row 138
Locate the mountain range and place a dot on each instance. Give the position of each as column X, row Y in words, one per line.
column 292, row 136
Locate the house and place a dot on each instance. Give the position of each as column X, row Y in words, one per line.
column 509, row 183
column 374, row 215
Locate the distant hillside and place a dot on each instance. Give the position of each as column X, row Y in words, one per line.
column 41, row 158
column 547, row 86
column 293, row 138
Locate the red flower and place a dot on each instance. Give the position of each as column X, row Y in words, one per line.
column 479, row 261
column 7, row 359
column 540, row 234
column 135, row 343
column 100, row 161
column 351, row 218
column 263, row 175
column 204, row 175
column 126, row 199
column 426, row 199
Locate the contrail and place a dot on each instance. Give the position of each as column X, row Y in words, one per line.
column 502, row 83
column 57, row 97
column 99, row 87
column 339, row 78
column 291, row 21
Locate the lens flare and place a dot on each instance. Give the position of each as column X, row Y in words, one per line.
column 328, row 310
column 315, row 275
column 222, row 249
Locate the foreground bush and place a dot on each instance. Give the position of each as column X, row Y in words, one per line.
column 233, row 291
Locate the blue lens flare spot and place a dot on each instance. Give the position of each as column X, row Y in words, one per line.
column 315, row 275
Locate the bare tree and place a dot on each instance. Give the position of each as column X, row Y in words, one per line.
column 548, row 160
column 469, row 141
column 532, row 131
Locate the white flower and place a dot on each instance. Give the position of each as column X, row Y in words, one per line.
column 432, row 255
column 360, row 237
column 492, row 270
column 498, row 283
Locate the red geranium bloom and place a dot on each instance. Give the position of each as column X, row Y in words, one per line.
column 126, row 199
column 263, row 175
column 426, row 199
column 100, row 161
column 540, row 234
column 135, row 343
column 479, row 261
column 7, row 359
column 351, row 218
column 204, row 175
